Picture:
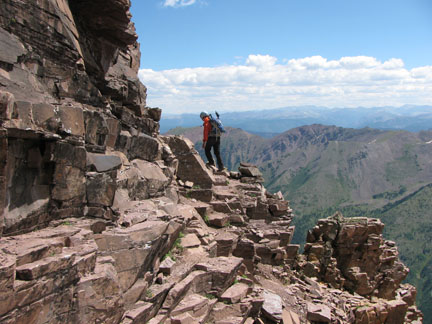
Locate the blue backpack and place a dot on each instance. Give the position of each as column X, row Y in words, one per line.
column 217, row 126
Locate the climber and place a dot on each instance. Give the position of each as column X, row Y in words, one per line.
column 211, row 138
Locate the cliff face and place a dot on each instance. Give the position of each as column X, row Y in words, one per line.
column 69, row 87
column 105, row 221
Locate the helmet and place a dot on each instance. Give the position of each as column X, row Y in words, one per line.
column 203, row 114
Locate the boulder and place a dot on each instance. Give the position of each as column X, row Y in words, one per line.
column 235, row 293
column 191, row 166
column 319, row 313
column 100, row 188
column 99, row 295
column 143, row 180
column 249, row 171
column 272, row 307
column 218, row 219
column 145, row 147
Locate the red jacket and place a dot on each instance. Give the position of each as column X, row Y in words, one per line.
column 207, row 128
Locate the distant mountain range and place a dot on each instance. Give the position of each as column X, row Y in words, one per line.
column 268, row 123
column 361, row 172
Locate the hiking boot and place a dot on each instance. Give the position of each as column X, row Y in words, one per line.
column 222, row 169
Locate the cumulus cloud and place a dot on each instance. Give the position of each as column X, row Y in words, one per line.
column 178, row 3
column 260, row 82
column 261, row 60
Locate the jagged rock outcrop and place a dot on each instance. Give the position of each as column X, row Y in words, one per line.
column 104, row 221
column 352, row 254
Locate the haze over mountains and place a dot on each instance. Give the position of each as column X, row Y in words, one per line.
column 269, row 122
column 361, row 172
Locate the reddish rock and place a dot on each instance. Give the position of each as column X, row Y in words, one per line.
column 218, row 219
column 191, row 166
column 7, row 272
column 226, row 242
column 73, row 116
column 47, row 266
column 396, row 311
column 190, row 241
column 166, row 266
column 235, row 293
column 140, row 313
column 355, row 256
column 319, row 313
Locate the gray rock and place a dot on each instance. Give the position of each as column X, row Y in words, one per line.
column 272, row 307
column 251, row 171
column 102, row 162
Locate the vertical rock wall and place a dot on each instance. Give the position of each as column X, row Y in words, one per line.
column 69, row 91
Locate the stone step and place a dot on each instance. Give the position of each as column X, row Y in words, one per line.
column 224, row 271
column 221, row 207
column 196, row 306
column 141, row 313
column 200, row 206
column 197, row 281
column 224, row 193
column 235, row 293
column 46, row 266
column 226, row 242
column 205, row 195
column 217, row 219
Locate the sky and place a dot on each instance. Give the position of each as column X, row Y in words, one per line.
column 236, row 55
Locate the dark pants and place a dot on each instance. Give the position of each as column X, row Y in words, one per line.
column 214, row 141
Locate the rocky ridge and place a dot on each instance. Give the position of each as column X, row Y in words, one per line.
column 105, row 221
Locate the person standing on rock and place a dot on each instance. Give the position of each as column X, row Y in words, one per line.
column 211, row 139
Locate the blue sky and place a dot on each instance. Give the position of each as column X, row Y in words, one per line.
column 242, row 55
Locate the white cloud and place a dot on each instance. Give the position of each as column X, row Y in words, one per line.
column 178, row 3
column 358, row 62
column 261, row 61
column 260, row 82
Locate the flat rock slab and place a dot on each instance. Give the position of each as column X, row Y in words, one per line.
column 224, row 192
column 235, row 293
column 289, row 317
column 195, row 305
column 146, row 231
column 141, row 313
column 223, row 271
column 190, row 241
column 50, row 265
column 220, row 264
column 318, row 313
column 102, row 162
